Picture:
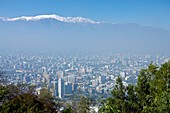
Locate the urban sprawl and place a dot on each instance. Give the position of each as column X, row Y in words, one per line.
column 65, row 76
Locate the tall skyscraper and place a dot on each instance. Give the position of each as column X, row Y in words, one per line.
column 61, row 88
column 102, row 79
column 56, row 87
column 68, row 89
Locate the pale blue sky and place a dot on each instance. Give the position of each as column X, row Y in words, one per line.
column 145, row 12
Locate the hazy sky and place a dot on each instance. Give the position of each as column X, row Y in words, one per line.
column 145, row 12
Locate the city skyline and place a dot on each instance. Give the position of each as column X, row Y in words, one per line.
column 84, row 56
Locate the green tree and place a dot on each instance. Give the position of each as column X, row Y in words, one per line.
column 24, row 100
column 118, row 94
column 28, row 103
column 161, row 84
column 150, row 95
column 132, row 100
column 83, row 105
column 45, row 94
column 117, row 103
column 3, row 94
column 68, row 109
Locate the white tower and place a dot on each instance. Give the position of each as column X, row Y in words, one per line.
column 61, row 88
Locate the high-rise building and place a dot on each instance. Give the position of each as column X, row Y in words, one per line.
column 68, row 89
column 27, row 79
column 56, row 87
column 74, row 86
column 102, row 79
column 61, row 88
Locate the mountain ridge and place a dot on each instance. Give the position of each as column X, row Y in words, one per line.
column 51, row 16
column 47, row 33
column 68, row 19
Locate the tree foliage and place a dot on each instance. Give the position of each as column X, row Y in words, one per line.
column 150, row 95
column 22, row 99
column 83, row 105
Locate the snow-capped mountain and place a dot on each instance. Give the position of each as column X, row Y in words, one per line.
column 53, row 32
column 53, row 16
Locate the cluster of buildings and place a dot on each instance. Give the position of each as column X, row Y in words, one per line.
column 66, row 76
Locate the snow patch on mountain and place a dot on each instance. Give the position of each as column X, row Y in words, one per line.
column 53, row 16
